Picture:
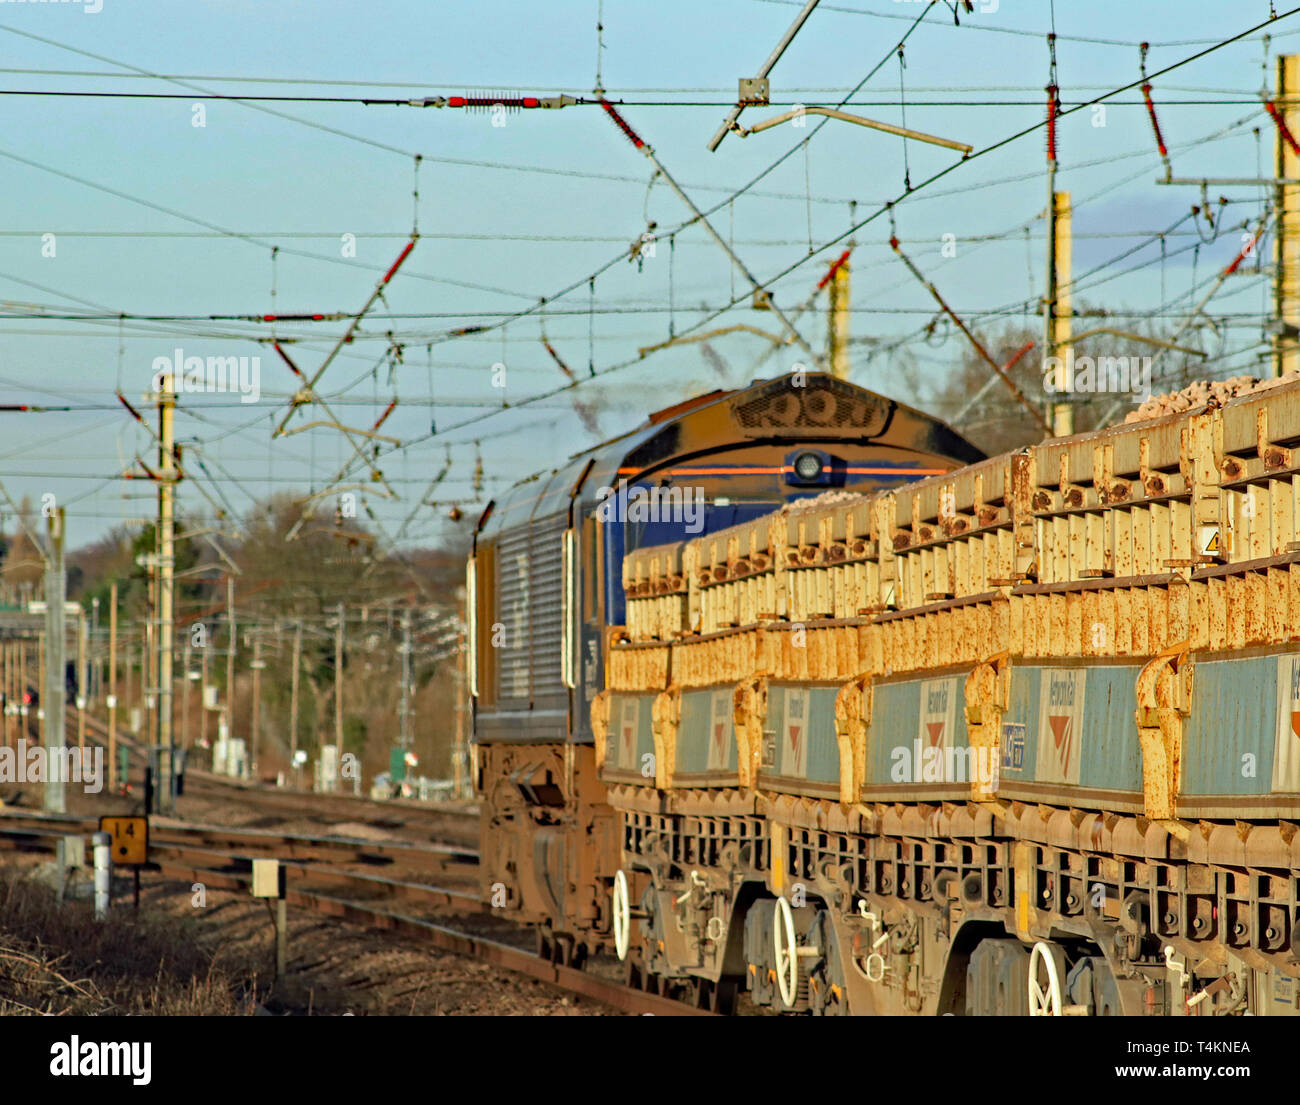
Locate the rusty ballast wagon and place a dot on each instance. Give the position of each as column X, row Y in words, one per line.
column 1037, row 715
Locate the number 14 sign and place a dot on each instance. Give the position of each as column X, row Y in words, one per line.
column 130, row 839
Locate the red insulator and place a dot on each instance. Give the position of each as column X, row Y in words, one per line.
column 1052, row 107
column 487, row 103
column 1155, row 123
column 1246, row 251
column 622, row 124
column 1282, row 128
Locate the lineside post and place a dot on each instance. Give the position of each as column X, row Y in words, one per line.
column 111, row 699
column 1286, row 243
column 168, row 474
column 55, row 672
column 1059, row 311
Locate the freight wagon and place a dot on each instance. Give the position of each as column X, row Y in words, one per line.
column 1018, row 737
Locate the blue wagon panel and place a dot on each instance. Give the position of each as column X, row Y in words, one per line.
column 800, row 752
column 1070, row 731
column 917, row 742
column 1241, row 744
column 631, row 739
column 706, row 739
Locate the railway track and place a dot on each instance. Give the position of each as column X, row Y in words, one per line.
column 396, row 810
column 291, row 799
column 450, row 825
column 334, row 848
column 222, row 859
column 319, row 879
column 441, row 936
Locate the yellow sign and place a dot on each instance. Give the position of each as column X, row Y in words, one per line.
column 130, row 839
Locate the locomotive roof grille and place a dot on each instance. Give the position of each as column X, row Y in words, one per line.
column 821, row 405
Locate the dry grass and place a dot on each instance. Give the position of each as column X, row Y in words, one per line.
column 57, row 959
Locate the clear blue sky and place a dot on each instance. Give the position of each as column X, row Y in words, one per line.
column 302, row 188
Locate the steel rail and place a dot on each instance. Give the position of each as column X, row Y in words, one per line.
column 494, row 952
column 398, row 888
column 162, row 830
column 452, row 940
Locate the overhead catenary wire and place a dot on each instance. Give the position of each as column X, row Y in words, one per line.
column 444, row 82
column 1024, row 32
column 252, row 100
column 376, row 337
column 983, row 152
column 466, row 162
column 332, row 259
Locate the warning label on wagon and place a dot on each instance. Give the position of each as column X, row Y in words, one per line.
column 938, row 713
column 1060, row 725
column 719, row 730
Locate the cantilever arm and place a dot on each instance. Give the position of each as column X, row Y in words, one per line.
column 835, row 113
column 1139, row 337
column 740, row 326
column 345, row 429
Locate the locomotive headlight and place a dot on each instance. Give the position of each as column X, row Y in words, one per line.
column 807, row 466
column 813, row 468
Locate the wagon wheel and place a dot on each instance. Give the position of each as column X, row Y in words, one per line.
column 1045, row 996
column 786, row 953
column 622, row 914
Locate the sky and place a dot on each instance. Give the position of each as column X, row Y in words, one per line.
column 138, row 226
